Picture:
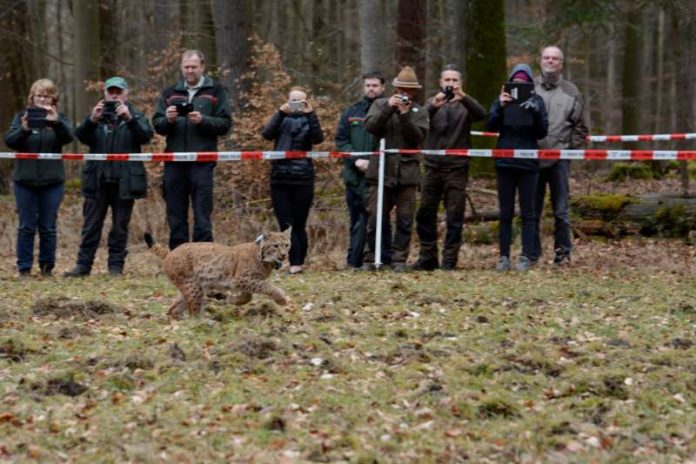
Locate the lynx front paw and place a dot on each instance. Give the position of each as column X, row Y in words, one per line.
column 280, row 298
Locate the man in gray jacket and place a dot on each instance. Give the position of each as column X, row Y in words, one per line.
column 567, row 130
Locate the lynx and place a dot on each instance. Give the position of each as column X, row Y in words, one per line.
column 198, row 269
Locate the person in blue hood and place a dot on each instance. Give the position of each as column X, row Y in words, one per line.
column 520, row 125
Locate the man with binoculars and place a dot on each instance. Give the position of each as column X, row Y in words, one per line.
column 113, row 126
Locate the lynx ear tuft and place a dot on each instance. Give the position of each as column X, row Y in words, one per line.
column 259, row 238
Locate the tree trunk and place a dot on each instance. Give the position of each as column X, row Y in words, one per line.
column 231, row 32
column 87, row 52
column 36, row 10
column 410, row 31
column 371, row 37
column 630, row 89
column 166, row 25
column 684, row 35
column 318, row 55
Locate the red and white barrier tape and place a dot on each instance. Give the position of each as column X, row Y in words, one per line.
column 618, row 138
column 641, row 138
column 187, row 156
column 609, row 155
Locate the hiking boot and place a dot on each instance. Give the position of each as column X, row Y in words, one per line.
column 46, row 269
column 115, row 271
column 424, row 265
column 77, row 271
column 25, row 273
column 503, row 264
column 524, row 264
column 399, row 267
column 561, row 259
column 447, row 266
column 367, row 267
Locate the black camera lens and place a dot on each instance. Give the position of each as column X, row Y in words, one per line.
column 405, row 100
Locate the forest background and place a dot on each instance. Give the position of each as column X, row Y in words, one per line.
column 633, row 60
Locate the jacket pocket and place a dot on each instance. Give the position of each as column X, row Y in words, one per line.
column 90, row 177
column 137, row 180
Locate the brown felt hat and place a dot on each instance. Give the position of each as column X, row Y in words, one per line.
column 406, row 79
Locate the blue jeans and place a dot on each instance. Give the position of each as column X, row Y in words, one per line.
column 184, row 182
column 556, row 177
column 510, row 181
column 37, row 208
column 358, row 227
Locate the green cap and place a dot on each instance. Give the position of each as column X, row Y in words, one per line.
column 116, row 82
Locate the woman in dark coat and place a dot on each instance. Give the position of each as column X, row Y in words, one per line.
column 294, row 127
column 520, row 126
column 38, row 184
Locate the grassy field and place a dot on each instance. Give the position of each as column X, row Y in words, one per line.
column 586, row 364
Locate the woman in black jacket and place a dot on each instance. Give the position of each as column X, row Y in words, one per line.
column 38, row 184
column 295, row 127
column 520, row 126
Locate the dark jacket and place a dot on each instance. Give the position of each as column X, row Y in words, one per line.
column 450, row 127
column 212, row 102
column 39, row 173
column 125, row 137
column 406, row 131
column 565, row 107
column 293, row 132
column 352, row 136
column 516, row 136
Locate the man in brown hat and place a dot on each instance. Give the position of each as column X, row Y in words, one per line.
column 403, row 124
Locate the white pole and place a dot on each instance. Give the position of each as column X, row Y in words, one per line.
column 380, row 205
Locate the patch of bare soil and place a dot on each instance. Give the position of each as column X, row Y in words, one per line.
column 63, row 308
column 255, row 347
column 60, row 386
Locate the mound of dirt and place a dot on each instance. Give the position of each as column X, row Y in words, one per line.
column 63, row 308
column 255, row 347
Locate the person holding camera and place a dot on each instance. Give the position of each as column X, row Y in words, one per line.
column 352, row 136
column 451, row 114
column 404, row 125
column 520, row 123
column 191, row 114
column 113, row 126
column 38, row 184
column 567, row 131
column 294, row 127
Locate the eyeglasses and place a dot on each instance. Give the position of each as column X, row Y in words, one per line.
column 44, row 97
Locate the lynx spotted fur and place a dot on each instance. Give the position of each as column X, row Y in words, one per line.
column 198, row 269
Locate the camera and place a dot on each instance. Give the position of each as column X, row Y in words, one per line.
column 295, row 106
column 405, row 100
column 109, row 113
column 36, row 117
column 184, row 108
column 449, row 93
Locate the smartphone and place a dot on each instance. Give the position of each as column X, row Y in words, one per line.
column 184, row 108
column 36, row 117
column 296, row 105
column 519, row 91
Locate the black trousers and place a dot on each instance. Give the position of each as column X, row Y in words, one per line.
column 291, row 204
column 94, row 212
column 184, row 182
column 358, row 227
column 511, row 181
column 449, row 186
column 394, row 249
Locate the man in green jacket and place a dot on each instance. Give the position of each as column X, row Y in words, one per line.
column 352, row 136
column 192, row 114
column 403, row 124
column 113, row 126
